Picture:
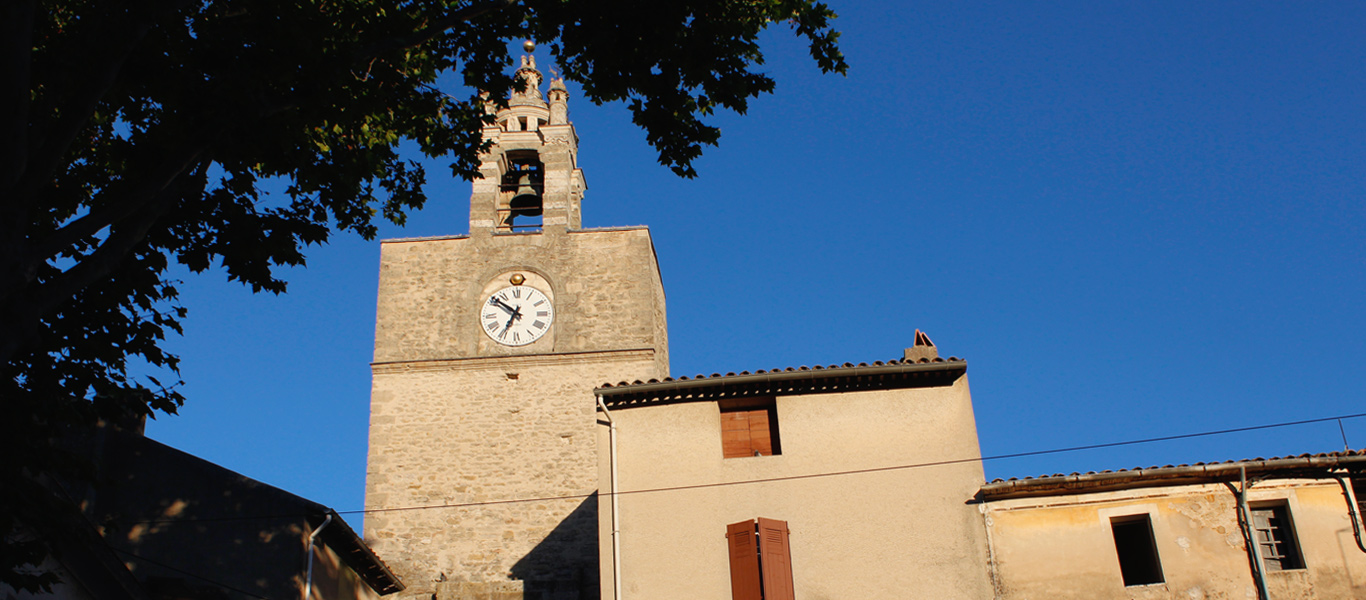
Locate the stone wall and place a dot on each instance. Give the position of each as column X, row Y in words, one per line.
column 501, row 439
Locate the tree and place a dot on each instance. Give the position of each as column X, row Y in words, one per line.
column 135, row 132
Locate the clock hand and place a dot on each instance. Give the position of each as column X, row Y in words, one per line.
column 516, row 316
column 503, row 305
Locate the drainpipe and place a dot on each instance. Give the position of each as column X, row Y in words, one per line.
column 1251, row 535
column 1353, row 509
column 308, row 581
column 612, row 486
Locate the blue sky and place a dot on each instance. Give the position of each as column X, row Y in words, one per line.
column 1132, row 219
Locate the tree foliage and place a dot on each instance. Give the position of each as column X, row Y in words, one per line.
column 136, row 132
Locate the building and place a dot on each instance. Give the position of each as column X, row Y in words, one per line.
column 487, row 350
column 502, row 466
column 160, row 524
column 1183, row 531
column 818, row 460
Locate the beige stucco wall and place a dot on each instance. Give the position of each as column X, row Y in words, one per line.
column 457, row 419
column 1063, row 547
column 907, row 533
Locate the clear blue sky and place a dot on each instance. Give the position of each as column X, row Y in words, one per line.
column 1132, row 219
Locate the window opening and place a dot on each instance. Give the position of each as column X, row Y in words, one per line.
column 521, row 194
column 522, row 121
column 1138, row 560
column 1276, row 538
column 750, row 428
column 760, row 560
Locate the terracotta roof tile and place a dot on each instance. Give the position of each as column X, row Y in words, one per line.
column 1151, row 469
column 700, row 376
column 1291, row 466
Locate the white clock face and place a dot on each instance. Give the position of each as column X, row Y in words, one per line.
column 516, row 315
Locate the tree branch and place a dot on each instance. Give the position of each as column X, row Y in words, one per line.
column 16, row 51
column 50, row 146
column 127, row 200
column 24, row 310
column 435, row 28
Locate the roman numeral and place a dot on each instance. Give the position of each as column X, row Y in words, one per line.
column 503, row 335
column 516, row 337
column 538, row 325
column 491, row 326
column 539, row 302
column 490, row 315
column 516, row 292
column 542, row 313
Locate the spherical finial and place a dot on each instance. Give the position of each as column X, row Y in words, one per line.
column 517, row 278
column 529, row 46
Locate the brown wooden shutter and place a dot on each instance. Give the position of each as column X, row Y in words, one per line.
column 777, row 560
column 744, row 562
column 760, row 443
column 735, row 434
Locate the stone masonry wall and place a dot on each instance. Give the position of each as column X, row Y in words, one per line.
column 509, row 433
column 468, row 432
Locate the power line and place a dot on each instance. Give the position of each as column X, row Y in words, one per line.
column 806, row 476
column 184, row 572
column 939, row 463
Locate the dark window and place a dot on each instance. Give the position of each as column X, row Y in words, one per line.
column 1137, row 551
column 1276, row 538
column 760, row 560
column 749, row 428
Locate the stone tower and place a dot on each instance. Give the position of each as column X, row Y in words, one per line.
column 482, row 470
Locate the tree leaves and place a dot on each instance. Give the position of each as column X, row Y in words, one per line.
column 136, row 132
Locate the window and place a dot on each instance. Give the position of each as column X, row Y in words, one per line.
column 760, row 560
column 1276, row 538
column 749, row 428
column 1138, row 561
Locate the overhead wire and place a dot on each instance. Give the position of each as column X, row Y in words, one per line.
column 184, row 572
column 1010, row 455
column 938, row 463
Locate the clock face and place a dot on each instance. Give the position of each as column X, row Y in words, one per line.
column 516, row 315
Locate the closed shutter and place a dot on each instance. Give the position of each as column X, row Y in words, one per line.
column 1265, row 533
column 760, row 444
column 735, row 436
column 747, row 433
column 777, row 560
column 744, row 562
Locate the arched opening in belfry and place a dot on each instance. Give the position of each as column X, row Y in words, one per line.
column 521, row 193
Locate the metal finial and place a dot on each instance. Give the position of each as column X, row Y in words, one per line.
column 529, row 46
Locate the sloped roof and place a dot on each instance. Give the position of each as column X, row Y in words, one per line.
column 1281, row 467
column 900, row 373
column 151, row 475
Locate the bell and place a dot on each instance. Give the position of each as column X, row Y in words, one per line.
column 527, row 201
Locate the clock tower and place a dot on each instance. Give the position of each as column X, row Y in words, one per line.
column 482, row 473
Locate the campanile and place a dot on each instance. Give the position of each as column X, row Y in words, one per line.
column 482, row 471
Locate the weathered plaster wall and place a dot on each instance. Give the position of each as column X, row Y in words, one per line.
column 1063, row 546
column 891, row 534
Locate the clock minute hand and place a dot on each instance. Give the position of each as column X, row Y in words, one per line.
column 503, row 305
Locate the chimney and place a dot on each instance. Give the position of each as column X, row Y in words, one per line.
column 923, row 350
